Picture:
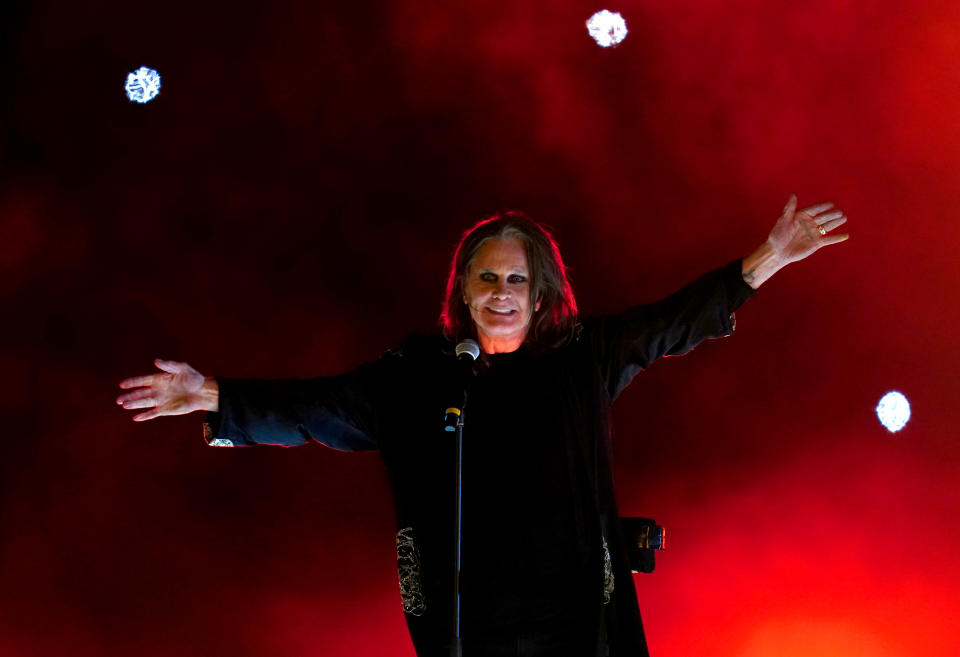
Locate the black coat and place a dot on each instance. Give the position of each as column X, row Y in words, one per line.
column 397, row 404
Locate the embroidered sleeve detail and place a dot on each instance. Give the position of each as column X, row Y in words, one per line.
column 607, row 573
column 211, row 440
column 411, row 573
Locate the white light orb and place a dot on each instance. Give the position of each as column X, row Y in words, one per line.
column 143, row 85
column 607, row 28
column 893, row 411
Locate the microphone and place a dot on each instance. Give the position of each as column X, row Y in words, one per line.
column 467, row 352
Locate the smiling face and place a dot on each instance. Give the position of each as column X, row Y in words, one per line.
column 497, row 289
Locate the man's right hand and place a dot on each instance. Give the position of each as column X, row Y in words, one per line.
column 176, row 390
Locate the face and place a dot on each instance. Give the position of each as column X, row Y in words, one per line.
column 497, row 289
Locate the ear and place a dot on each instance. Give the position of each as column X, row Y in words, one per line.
column 536, row 306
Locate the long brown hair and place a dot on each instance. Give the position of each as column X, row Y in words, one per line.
column 553, row 324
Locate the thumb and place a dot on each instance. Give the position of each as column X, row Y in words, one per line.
column 791, row 206
column 171, row 366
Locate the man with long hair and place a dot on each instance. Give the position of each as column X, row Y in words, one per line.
column 544, row 567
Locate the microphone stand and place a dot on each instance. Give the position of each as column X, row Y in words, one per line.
column 456, row 650
column 467, row 351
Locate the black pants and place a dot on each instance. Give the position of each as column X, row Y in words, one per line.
column 546, row 639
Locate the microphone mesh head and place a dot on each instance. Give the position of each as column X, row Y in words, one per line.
column 468, row 347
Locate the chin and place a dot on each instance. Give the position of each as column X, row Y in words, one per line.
column 503, row 328
column 503, row 332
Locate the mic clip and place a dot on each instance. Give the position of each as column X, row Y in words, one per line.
column 451, row 418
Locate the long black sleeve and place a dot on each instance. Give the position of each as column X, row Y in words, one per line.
column 626, row 343
column 338, row 411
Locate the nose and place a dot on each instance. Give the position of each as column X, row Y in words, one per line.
column 501, row 291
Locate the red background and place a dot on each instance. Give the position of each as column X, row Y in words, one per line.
column 287, row 206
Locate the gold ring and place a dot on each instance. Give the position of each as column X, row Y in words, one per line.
column 822, row 228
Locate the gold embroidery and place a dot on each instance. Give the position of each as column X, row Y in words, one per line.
column 411, row 573
column 607, row 573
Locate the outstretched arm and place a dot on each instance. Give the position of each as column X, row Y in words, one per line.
column 796, row 235
column 177, row 389
column 338, row 411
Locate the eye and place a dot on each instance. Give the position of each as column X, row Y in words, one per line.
column 517, row 278
column 488, row 277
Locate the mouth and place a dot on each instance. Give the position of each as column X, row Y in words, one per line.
column 502, row 313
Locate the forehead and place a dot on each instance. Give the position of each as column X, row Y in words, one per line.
column 501, row 255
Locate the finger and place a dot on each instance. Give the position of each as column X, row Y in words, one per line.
column 149, row 415
column 830, row 225
column 829, row 216
column 137, row 381
column 817, row 208
column 834, row 239
column 147, row 402
column 172, row 366
column 136, row 394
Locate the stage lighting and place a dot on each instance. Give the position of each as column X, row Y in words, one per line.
column 893, row 411
column 143, row 85
column 607, row 28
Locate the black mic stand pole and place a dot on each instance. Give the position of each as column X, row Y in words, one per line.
column 467, row 351
column 456, row 650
